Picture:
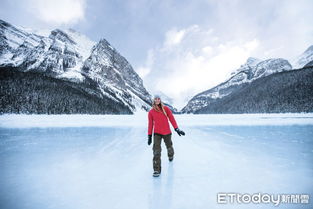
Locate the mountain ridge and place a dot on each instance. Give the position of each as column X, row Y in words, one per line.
column 288, row 91
column 253, row 69
column 70, row 56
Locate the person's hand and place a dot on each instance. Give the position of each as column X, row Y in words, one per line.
column 149, row 139
column 179, row 132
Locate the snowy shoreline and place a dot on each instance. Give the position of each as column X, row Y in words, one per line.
column 140, row 120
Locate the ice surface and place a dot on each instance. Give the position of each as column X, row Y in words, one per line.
column 44, row 121
column 103, row 161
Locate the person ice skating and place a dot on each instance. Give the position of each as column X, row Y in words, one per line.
column 158, row 118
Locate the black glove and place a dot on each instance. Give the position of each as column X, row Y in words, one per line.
column 149, row 139
column 180, row 132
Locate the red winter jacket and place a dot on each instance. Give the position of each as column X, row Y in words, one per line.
column 159, row 121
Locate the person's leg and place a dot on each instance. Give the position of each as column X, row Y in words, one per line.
column 157, row 153
column 169, row 146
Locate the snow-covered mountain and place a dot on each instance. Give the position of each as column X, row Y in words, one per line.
column 253, row 69
column 304, row 59
column 71, row 56
column 282, row 92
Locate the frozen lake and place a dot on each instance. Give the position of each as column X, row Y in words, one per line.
column 103, row 161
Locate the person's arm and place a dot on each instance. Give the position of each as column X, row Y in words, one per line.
column 150, row 126
column 150, row 123
column 171, row 117
column 173, row 121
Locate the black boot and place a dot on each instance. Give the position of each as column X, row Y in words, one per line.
column 156, row 173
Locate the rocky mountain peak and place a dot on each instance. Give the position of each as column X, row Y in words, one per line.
column 58, row 34
column 252, row 70
column 305, row 58
column 271, row 66
column 71, row 56
column 103, row 46
column 309, row 50
column 252, row 61
column 4, row 24
column 247, row 66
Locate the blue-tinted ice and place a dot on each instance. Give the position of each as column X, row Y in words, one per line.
column 88, row 167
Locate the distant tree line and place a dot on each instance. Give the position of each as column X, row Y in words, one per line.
column 290, row 91
column 32, row 92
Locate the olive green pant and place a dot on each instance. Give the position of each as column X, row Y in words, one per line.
column 157, row 139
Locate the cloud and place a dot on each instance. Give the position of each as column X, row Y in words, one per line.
column 192, row 60
column 143, row 71
column 174, row 37
column 58, row 12
column 195, row 57
column 146, row 68
column 283, row 27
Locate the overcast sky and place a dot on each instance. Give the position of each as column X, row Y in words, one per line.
column 179, row 47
